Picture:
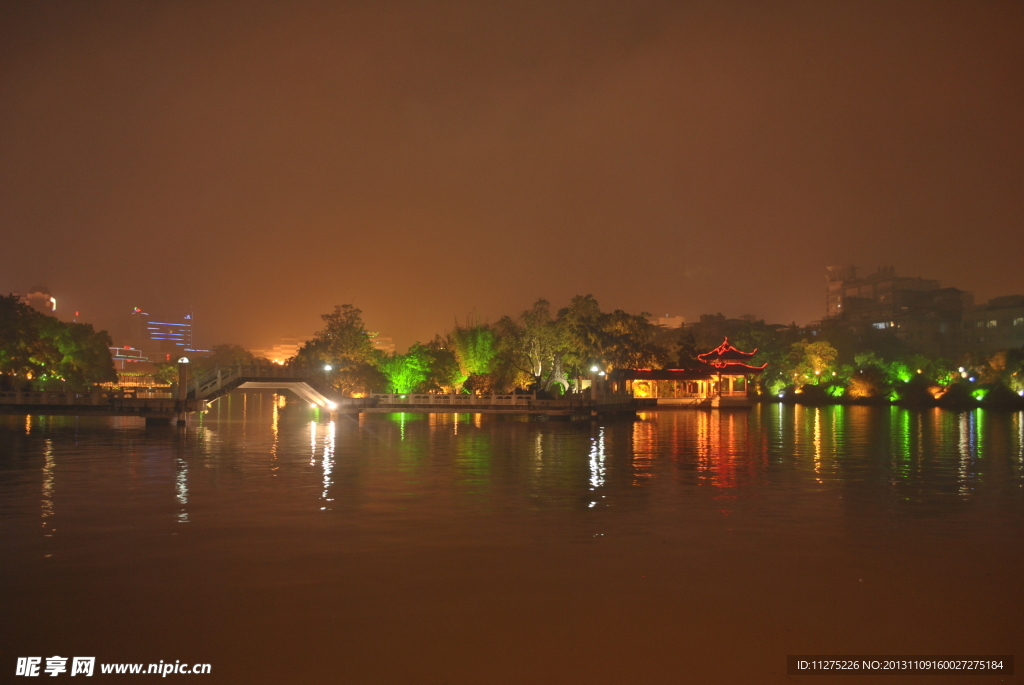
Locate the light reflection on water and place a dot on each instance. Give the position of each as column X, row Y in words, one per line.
column 479, row 531
column 927, row 454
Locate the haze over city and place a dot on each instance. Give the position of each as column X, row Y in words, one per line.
column 258, row 163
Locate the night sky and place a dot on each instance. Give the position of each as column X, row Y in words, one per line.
column 262, row 162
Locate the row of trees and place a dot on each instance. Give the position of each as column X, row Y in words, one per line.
column 833, row 363
column 552, row 350
column 36, row 348
column 549, row 350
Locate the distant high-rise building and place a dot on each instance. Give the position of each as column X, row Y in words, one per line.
column 386, row 345
column 670, row 321
column 40, row 299
column 917, row 310
column 996, row 325
column 285, row 349
column 161, row 338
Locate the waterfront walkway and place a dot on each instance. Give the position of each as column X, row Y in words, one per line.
column 310, row 386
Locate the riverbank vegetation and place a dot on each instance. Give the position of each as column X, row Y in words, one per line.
column 554, row 350
column 39, row 349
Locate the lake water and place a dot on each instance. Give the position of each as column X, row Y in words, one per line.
column 687, row 546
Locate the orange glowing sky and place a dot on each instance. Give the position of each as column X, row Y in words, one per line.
column 261, row 162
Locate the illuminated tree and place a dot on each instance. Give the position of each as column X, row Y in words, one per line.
column 628, row 342
column 529, row 342
column 558, row 350
column 811, row 363
column 475, row 347
column 445, row 375
column 344, row 344
column 407, row 372
column 43, row 348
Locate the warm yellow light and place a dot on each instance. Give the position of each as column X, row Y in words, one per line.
column 332, row 405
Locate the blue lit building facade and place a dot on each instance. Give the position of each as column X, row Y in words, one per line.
column 162, row 338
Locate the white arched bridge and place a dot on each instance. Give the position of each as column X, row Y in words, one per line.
column 219, row 381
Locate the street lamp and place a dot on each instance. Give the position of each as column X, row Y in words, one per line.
column 327, row 376
column 182, row 390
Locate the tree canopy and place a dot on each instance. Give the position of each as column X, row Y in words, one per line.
column 35, row 346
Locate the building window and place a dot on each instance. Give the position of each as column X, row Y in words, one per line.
column 1019, row 321
column 993, row 323
column 881, row 325
column 980, row 324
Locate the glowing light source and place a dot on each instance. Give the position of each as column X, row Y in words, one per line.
column 312, row 405
column 332, row 405
column 183, row 360
column 327, row 367
column 593, row 369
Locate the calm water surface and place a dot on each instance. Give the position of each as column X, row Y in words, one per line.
column 687, row 546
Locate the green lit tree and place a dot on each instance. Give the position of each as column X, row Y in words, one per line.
column 445, row 374
column 407, row 372
column 36, row 346
column 475, row 347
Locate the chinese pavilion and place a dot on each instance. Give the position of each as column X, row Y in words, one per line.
column 721, row 379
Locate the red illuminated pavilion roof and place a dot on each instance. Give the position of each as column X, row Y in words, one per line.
column 726, row 353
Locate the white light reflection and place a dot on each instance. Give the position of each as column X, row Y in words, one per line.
column 312, row 443
column 597, row 464
column 274, row 419
column 966, row 451
column 47, row 503
column 817, row 442
column 1020, row 436
column 328, row 462
column 182, row 489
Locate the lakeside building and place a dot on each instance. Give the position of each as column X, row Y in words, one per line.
column 918, row 311
column 996, row 325
column 723, row 378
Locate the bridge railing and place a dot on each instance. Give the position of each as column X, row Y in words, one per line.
column 125, row 403
column 68, row 398
column 525, row 401
column 454, row 400
column 219, row 376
